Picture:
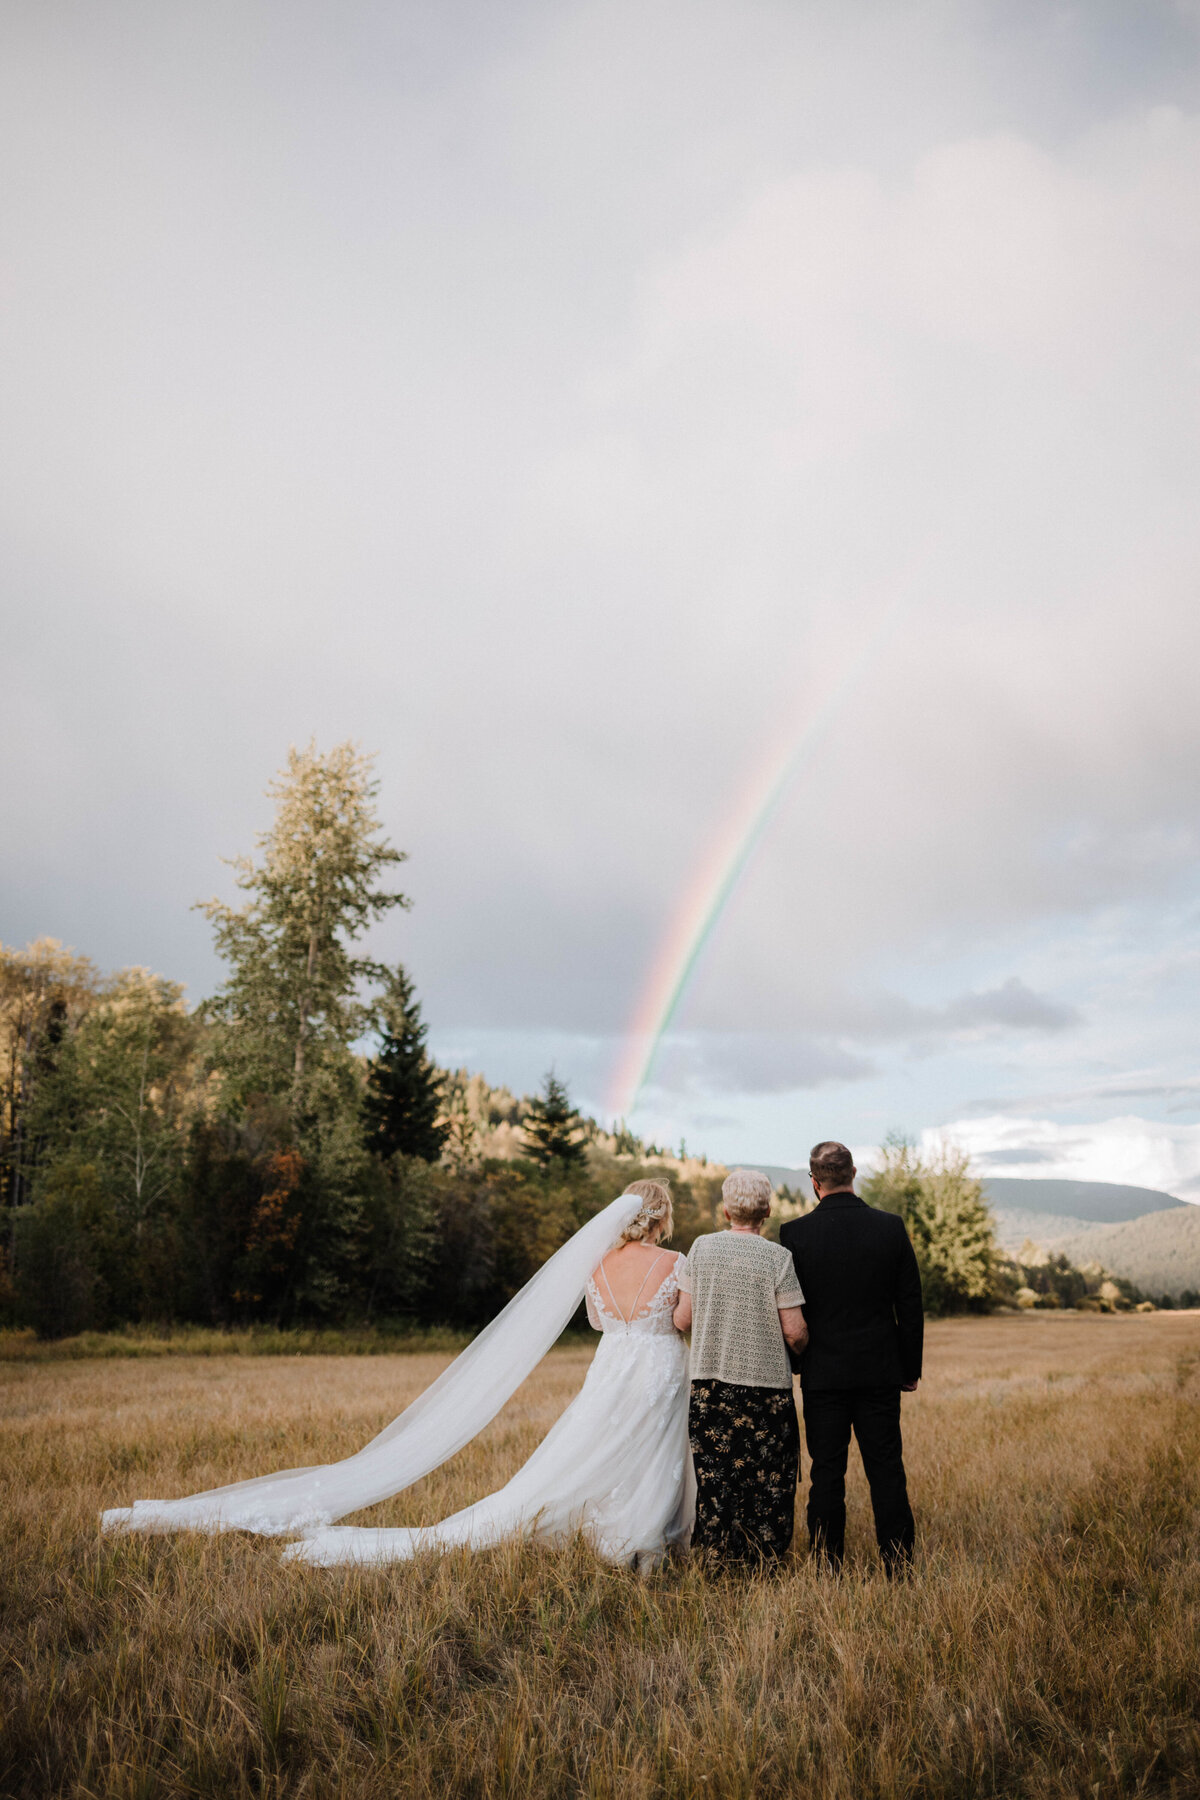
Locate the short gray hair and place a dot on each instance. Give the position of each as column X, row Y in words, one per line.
column 747, row 1196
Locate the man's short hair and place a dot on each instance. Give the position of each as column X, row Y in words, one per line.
column 832, row 1165
column 747, row 1196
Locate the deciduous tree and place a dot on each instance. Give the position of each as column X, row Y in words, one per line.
column 44, row 992
column 948, row 1220
column 292, row 1002
column 118, row 1103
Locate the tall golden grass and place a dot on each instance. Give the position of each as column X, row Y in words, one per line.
column 1046, row 1645
column 154, row 1341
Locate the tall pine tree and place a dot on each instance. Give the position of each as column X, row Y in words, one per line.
column 404, row 1089
column 553, row 1128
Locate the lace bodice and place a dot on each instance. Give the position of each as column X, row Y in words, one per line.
column 651, row 1318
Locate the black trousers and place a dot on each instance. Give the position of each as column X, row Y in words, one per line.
column 874, row 1416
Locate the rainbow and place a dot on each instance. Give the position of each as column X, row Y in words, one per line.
column 721, row 868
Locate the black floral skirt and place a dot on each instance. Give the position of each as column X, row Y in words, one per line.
column 746, row 1449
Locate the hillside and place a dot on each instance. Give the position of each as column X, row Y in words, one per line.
column 1016, row 1227
column 1044, row 1212
column 1160, row 1251
column 1059, row 1205
column 1090, row 1202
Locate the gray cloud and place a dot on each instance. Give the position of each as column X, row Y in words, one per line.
column 552, row 399
column 756, row 1063
column 884, row 1017
column 1176, row 1095
column 1015, row 1157
column 777, row 1062
column 1013, row 1006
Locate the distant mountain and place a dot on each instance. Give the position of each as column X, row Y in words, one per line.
column 1067, row 1203
column 1096, row 1202
column 781, row 1177
column 1016, row 1227
column 1148, row 1237
column 1159, row 1251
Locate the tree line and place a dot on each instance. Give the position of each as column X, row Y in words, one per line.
column 247, row 1161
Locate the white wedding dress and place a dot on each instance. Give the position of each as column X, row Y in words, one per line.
column 615, row 1466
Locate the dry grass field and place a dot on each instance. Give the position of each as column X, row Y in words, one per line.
column 1046, row 1645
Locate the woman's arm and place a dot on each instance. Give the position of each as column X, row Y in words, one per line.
column 681, row 1318
column 593, row 1315
column 795, row 1331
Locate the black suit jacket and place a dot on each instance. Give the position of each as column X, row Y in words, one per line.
column 862, row 1295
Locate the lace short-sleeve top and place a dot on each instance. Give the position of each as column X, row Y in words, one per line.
column 738, row 1282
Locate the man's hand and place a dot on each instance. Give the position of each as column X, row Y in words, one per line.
column 910, row 1387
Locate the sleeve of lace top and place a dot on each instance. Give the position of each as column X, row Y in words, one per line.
column 593, row 1315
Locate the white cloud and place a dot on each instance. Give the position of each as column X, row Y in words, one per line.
column 1139, row 1152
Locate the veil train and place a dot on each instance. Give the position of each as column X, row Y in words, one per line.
column 452, row 1410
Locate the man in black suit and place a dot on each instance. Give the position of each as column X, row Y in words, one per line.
column 862, row 1293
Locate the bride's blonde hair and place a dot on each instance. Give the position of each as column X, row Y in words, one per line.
column 655, row 1197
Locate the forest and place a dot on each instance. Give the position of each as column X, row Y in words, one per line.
column 286, row 1152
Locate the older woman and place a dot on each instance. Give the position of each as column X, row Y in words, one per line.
column 740, row 1298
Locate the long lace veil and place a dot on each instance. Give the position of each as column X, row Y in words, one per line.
column 452, row 1410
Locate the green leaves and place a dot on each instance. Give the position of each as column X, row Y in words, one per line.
column 292, row 999
column 948, row 1221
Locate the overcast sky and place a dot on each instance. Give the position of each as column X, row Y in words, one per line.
column 549, row 397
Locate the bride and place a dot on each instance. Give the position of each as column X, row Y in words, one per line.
column 615, row 1466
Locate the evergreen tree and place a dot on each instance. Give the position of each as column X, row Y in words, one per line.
column 404, row 1089
column 625, row 1141
column 553, row 1128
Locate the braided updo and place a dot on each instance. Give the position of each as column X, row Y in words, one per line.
column 655, row 1212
